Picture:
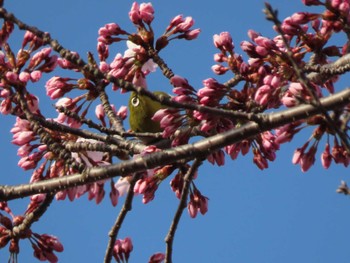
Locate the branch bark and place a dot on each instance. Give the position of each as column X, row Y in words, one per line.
column 198, row 149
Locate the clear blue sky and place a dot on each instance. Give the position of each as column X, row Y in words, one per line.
column 279, row 215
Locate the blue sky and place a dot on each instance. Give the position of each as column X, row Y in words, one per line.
column 277, row 215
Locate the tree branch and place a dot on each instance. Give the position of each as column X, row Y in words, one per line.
column 188, row 151
column 272, row 15
column 33, row 216
column 113, row 233
column 182, row 205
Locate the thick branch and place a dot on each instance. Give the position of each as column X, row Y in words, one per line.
column 188, row 151
column 33, row 216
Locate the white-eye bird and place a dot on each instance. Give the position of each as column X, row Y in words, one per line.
column 142, row 109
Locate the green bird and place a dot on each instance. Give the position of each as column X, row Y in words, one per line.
column 142, row 109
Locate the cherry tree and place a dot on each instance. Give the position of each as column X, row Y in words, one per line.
column 275, row 88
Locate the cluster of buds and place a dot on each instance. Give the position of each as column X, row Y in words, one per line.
column 44, row 245
column 148, row 185
column 24, row 137
column 27, row 65
column 122, row 249
column 179, row 28
column 235, row 63
column 197, row 203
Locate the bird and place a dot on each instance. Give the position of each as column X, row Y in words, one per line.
column 142, row 108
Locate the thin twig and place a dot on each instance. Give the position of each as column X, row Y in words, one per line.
column 182, row 205
column 113, row 233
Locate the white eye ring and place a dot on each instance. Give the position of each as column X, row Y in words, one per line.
column 135, row 101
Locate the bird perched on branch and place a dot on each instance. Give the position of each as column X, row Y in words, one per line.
column 142, row 108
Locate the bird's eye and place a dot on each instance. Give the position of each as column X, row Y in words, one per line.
column 135, row 101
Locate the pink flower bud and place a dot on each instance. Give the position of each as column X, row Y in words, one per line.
column 122, row 112
column 157, row 258
column 134, row 13
column 184, row 25
column 35, row 75
column 326, row 157
column 191, row 34
column 11, row 76
column 24, row 76
column 147, row 12
column 253, row 34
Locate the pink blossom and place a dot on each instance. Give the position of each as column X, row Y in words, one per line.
column 340, row 155
column 52, row 242
column 191, row 34
column 326, row 157
column 233, row 150
column 249, row 48
column 89, row 158
column 22, row 138
column 6, row 106
column 110, row 29
column 39, row 57
column 298, row 153
column 296, row 88
column 35, row 75
column 103, row 52
column 157, row 258
column 263, row 94
column 254, row 62
column 174, row 22
column 184, row 25
column 224, row 42
column 11, row 76
column 100, row 114
column 24, row 150
column 198, row 202
column 27, row 163
column 33, row 103
column 66, row 64
column 261, row 51
column 219, row 69
column 344, row 8
column 253, row 34
column 104, row 67
column 65, row 102
column 134, row 14
column 24, row 76
column 122, row 249
column 146, row 12
column 35, row 201
column 265, row 42
column 300, row 18
column 136, row 50
column 308, row 159
column 97, row 192
column 147, row 187
column 56, row 87
column 44, row 247
column 289, row 100
column 122, row 185
column 260, row 160
column 217, row 157
column 122, row 112
column 177, row 184
column 286, row 132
